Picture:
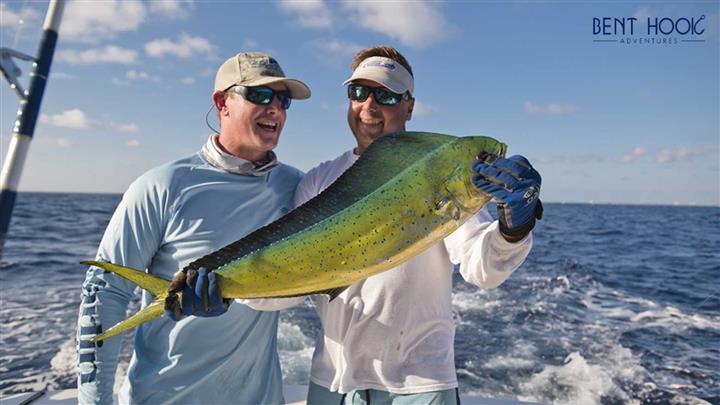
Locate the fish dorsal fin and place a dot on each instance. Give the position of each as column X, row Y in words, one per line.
column 384, row 159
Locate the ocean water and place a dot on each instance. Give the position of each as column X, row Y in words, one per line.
column 615, row 305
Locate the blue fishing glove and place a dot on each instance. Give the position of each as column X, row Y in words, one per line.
column 200, row 295
column 515, row 186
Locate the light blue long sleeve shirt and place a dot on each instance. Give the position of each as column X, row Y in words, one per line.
column 169, row 217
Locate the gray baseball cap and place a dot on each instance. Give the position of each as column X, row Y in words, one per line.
column 257, row 69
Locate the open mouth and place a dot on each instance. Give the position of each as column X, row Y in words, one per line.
column 371, row 122
column 267, row 126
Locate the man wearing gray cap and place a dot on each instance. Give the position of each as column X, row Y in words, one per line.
column 176, row 213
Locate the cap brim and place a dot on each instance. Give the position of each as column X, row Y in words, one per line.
column 298, row 90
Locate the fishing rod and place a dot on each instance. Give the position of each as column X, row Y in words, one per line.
column 28, row 111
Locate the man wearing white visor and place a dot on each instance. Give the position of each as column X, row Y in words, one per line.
column 389, row 339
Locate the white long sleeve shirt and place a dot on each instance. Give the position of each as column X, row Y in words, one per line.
column 394, row 331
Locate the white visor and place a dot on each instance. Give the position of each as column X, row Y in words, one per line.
column 386, row 72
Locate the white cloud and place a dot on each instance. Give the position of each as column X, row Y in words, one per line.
column 133, row 143
column 665, row 155
column 127, row 128
column 678, row 155
column 417, row 23
column 75, row 119
column 334, row 50
column 172, row 9
column 187, row 80
column 13, row 19
column 92, row 22
column 552, row 108
column 52, row 141
column 185, row 47
column 637, row 152
column 137, row 75
column 107, row 54
column 413, row 23
column 308, row 13
column 423, row 110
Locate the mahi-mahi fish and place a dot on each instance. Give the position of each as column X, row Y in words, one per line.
column 405, row 193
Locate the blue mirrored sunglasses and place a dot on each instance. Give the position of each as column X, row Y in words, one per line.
column 262, row 95
column 358, row 92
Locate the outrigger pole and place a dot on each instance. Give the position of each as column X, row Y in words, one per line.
column 28, row 111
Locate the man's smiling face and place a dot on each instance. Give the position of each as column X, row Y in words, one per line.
column 369, row 120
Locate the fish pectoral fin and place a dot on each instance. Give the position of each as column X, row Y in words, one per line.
column 333, row 292
column 448, row 206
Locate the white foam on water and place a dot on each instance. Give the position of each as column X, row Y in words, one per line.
column 120, row 374
column 295, row 350
column 646, row 313
column 65, row 360
column 522, row 355
column 475, row 300
column 64, row 364
column 509, row 362
column 673, row 318
column 638, row 301
column 578, row 381
column 682, row 399
column 610, row 304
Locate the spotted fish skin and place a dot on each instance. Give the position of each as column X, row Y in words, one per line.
column 414, row 210
column 404, row 194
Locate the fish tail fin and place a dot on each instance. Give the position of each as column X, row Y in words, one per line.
column 156, row 286
column 152, row 284
column 156, row 309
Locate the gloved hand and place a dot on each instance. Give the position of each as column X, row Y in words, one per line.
column 200, row 295
column 515, row 186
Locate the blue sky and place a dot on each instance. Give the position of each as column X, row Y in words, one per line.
column 602, row 121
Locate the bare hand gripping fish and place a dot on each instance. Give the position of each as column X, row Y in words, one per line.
column 405, row 193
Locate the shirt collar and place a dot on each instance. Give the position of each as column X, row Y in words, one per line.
column 218, row 158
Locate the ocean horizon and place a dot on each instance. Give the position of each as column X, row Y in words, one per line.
column 588, row 202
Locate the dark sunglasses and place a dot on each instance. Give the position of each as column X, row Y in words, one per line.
column 262, row 95
column 358, row 92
